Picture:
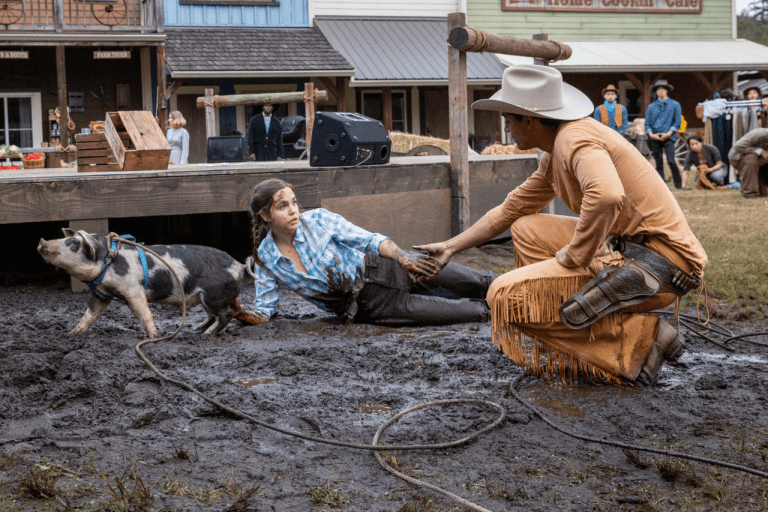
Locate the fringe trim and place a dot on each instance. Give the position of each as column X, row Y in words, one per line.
column 536, row 301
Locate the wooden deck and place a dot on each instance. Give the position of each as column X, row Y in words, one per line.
column 408, row 199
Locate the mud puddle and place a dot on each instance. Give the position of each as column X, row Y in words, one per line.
column 89, row 405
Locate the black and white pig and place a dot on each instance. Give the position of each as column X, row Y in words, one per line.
column 210, row 277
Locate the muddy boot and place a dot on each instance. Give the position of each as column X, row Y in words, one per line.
column 667, row 344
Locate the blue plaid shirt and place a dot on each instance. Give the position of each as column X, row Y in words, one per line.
column 662, row 116
column 323, row 240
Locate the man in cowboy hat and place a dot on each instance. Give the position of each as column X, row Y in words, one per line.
column 662, row 121
column 618, row 195
column 611, row 113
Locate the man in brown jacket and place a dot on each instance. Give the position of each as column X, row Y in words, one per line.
column 748, row 156
column 572, row 304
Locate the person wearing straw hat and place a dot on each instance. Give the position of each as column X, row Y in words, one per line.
column 662, row 121
column 611, row 113
column 572, row 304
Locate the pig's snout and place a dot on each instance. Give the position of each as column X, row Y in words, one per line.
column 44, row 248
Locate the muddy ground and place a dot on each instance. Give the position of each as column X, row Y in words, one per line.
column 85, row 425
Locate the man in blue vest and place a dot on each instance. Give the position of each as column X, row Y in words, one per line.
column 611, row 113
column 662, row 121
column 265, row 136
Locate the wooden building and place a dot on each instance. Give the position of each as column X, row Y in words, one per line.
column 94, row 55
column 690, row 43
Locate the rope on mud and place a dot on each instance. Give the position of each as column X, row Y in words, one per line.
column 372, row 447
column 618, row 444
column 691, row 321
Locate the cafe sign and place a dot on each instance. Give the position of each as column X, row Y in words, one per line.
column 645, row 6
column 14, row 55
column 123, row 54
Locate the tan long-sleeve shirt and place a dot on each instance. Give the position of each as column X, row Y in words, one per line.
column 615, row 191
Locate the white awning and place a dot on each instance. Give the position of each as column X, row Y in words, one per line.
column 633, row 56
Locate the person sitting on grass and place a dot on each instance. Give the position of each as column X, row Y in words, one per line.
column 705, row 159
column 346, row 270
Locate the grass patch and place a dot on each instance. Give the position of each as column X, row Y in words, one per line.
column 504, row 269
column 734, row 233
column 328, row 496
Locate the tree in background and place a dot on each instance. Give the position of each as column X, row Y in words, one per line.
column 752, row 22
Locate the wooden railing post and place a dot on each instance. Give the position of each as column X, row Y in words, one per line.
column 58, row 15
column 459, row 130
column 159, row 17
column 162, row 108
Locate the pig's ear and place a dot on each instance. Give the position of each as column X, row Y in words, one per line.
column 68, row 232
column 89, row 244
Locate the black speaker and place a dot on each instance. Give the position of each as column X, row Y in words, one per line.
column 228, row 148
column 347, row 139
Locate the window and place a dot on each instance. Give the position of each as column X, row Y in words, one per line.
column 20, row 118
column 373, row 107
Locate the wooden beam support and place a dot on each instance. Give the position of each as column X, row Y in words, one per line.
column 459, row 129
column 171, row 90
column 330, row 85
column 468, row 39
column 61, row 81
column 162, row 106
column 210, row 114
column 276, row 98
column 709, row 84
column 341, row 98
column 386, row 107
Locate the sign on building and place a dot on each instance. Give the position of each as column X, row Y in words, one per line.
column 646, row 6
column 123, row 54
column 14, row 54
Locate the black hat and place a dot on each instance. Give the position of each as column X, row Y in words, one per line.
column 662, row 83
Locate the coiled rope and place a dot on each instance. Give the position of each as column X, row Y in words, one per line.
column 376, row 448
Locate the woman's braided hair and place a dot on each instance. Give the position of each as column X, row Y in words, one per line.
column 262, row 200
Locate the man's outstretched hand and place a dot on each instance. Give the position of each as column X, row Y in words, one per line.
column 438, row 252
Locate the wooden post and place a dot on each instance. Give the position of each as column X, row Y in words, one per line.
column 258, row 99
column 162, row 107
column 58, row 16
column 310, row 97
column 210, row 114
column 470, row 39
column 540, row 37
column 386, row 108
column 459, row 130
column 341, row 97
column 61, row 80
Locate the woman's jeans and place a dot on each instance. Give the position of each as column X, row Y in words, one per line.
column 668, row 147
column 390, row 297
column 718, row 177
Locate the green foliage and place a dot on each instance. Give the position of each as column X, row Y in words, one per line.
column 751, row 29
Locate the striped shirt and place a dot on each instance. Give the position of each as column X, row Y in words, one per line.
column 662, row 116
column 324, row 240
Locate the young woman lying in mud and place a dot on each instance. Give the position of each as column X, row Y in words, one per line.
column 346, row 270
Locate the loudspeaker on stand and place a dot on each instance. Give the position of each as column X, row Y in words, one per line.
column 348, row 139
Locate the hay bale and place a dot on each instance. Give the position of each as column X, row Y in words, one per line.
column 404, row 142
column 507, row 149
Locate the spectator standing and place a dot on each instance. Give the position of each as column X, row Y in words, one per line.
column 611, row 113
column 178, row 138
column 748, row 156
column 265, row 136
column 662, row 121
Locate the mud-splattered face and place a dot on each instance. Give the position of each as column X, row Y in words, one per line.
column 283, row 215
column 74, row 254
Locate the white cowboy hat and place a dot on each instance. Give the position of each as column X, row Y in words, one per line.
column 538, row 91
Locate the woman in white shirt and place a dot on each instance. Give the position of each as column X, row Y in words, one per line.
column 178, row 138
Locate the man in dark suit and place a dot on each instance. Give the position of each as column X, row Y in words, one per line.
column 265, row 137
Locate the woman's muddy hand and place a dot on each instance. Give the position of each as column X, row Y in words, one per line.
column 420, row 268
column 438, row 252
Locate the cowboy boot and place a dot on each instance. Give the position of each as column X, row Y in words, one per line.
column 667, row 344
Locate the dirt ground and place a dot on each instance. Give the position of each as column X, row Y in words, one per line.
column 85, row 425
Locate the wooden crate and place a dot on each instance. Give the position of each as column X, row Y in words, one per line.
column 147, row 150
column 94, row 153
